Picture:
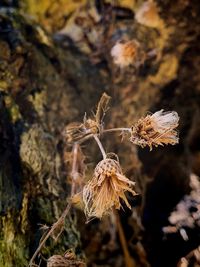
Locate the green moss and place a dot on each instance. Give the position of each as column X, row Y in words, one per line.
column 3, row 86
column 38, row 100
column 13, row 109
column 13, row 250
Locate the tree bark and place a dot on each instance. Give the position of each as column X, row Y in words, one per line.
column 46, row 83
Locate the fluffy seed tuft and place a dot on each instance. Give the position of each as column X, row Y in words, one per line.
column 125, row 54
column 156, row 129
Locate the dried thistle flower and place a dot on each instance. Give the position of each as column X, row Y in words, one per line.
column 156, row 129
column 105, row 190
column 77, row 132
column 61, row 261
column 74, row 132
column 148, row 15
column 125, row 54
column 68, row 260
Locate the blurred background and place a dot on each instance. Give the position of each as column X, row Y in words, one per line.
column 55, row 63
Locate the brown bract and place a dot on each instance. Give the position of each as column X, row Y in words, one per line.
column 156, row 129
column 105, row 190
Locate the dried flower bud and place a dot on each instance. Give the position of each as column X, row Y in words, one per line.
column 74, row 132
column 105, row 190
column 125, row 54
column 57, row 260
column 63, row 261
column 77, row 132
column 156, row 129
column 148, row 15
column 92, row 126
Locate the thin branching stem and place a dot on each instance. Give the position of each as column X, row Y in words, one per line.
column 117, row 130
column 67, row 209
column 49, row 233
column 129, row 261
column 74, row 167
column 87, row 137
column 100, row 146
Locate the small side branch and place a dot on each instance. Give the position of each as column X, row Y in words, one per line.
column 100, row 146
column 117, row 130
column 49, row 233
column 74, row 175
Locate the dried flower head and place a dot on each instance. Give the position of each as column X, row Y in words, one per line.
column 125, row 54
column 148, row 15
column 77, row 132
column 156, row 129
column 73, row 132
column 105, row 190
column 68, row 260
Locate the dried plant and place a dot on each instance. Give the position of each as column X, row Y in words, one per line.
column 104, row 191
column 187, row 212
column 79, row 132
column 108, row 185
column 68, row 260
column 127, row 53
column 156, row 129
column 148, row 15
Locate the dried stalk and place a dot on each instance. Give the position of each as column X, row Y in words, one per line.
column 129, row 261
column 67, row 209
column 100, row 146
column 49, row 233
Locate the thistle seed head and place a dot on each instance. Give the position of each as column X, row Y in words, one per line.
column 148, row 14
column 156, row 129
column 106, row 189
column 63, row 261
column 125, row 54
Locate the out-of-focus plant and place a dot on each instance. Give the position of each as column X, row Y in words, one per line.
column 187, row 212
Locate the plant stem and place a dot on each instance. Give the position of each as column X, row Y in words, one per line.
column 67, row 209
column 84, row 139
column 74, row 167
column 129, row 261
column 100, row 146
column 117, row 130
column 104, row 131
column 54, row 226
